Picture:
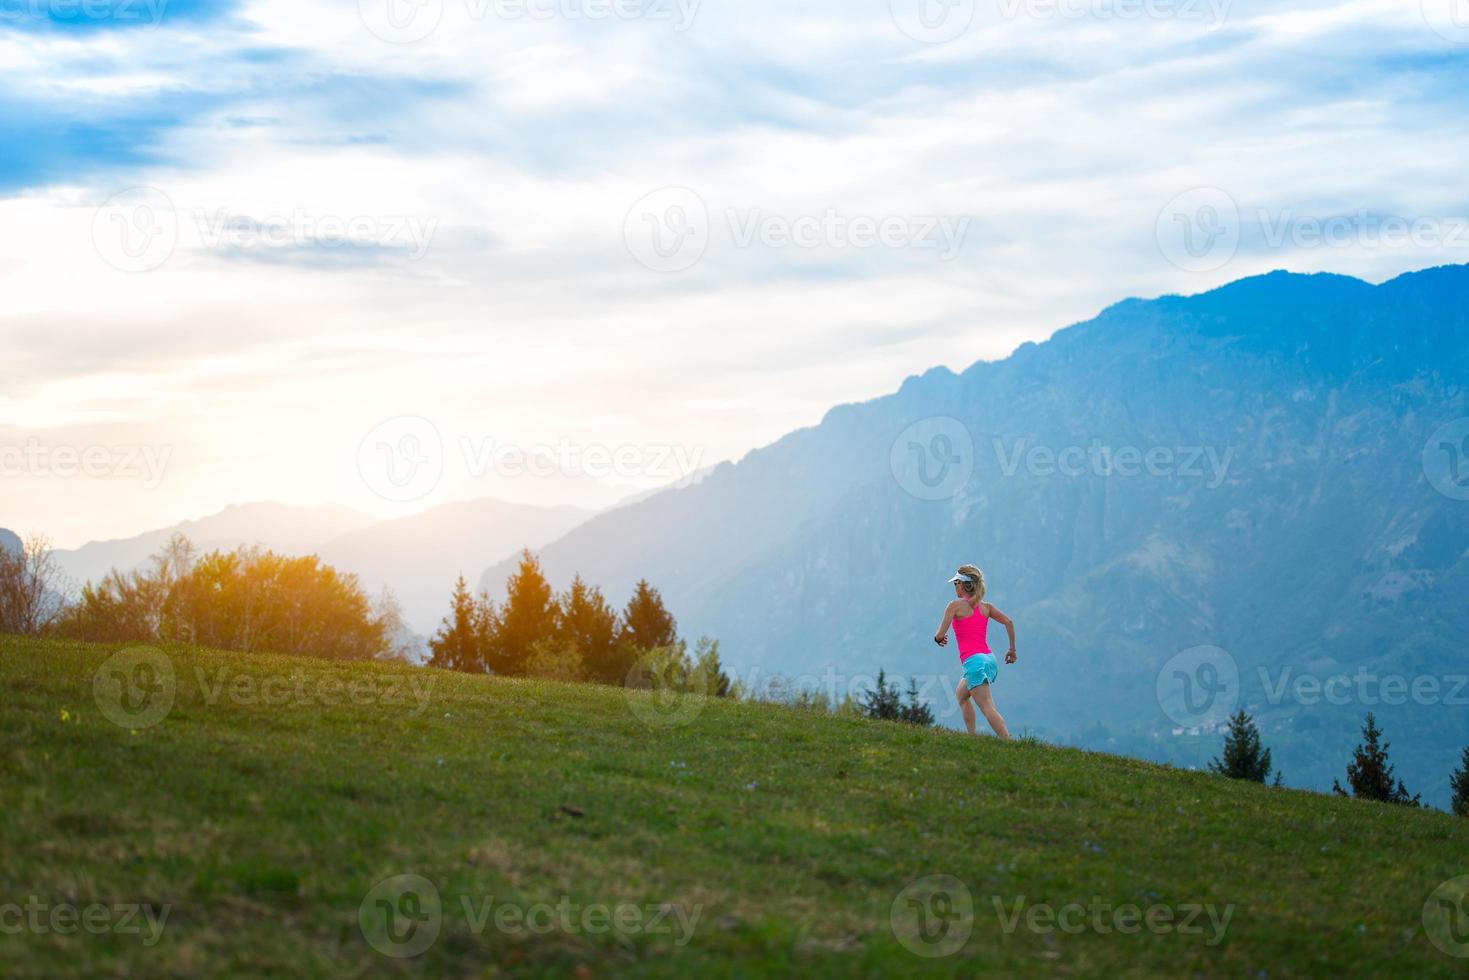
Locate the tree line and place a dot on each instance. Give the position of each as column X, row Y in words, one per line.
column 249, row 600
column 577, row 635
column 253, row 600
column 574, row 635
column 1370, row 776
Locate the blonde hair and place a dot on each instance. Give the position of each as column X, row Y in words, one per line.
column 972, row 571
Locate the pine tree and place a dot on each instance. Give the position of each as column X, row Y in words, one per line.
column 487, row 630
column 621, row 669
column 1370, row 774
column 459, row 643
column 883, row 703
column 713, row 681
column 531, row 614
column 915, row 712
column 554, row 659
column 667, row 668
column 646, row 624
column 590, row 625
column 1243, row 756
column 1459, row 783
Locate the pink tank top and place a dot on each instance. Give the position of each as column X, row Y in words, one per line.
column 970, row 634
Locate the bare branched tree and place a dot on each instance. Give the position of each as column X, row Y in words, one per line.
column 34, row 591
column 398, row 640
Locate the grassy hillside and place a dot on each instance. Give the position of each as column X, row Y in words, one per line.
column 267, row 803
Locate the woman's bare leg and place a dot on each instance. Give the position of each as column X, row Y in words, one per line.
column 962, row 693
column 986, row 702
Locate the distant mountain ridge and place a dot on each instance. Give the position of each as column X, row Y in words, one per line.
column 1310, row 543
column 421, row 556
column 282, row 527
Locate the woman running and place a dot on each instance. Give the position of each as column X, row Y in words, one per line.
column 969, row 614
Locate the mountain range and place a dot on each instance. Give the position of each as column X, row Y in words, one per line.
column 1242, row 498
column 1256, row 497
column 418, row 557
column 283, row 528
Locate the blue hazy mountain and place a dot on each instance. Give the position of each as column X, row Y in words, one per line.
column 420, row 557
column 1262, row 468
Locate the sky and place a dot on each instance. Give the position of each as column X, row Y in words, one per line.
column 393, row 253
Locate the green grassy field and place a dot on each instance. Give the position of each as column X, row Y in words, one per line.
column 247, row 809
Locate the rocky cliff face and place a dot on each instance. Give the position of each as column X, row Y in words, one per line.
column 1275, row 470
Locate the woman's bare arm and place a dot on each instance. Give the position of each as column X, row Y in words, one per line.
column 1004, row 621
column 942, row 636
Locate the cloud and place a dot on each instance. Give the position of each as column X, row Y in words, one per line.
column 527, row 141
column 73, row 18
